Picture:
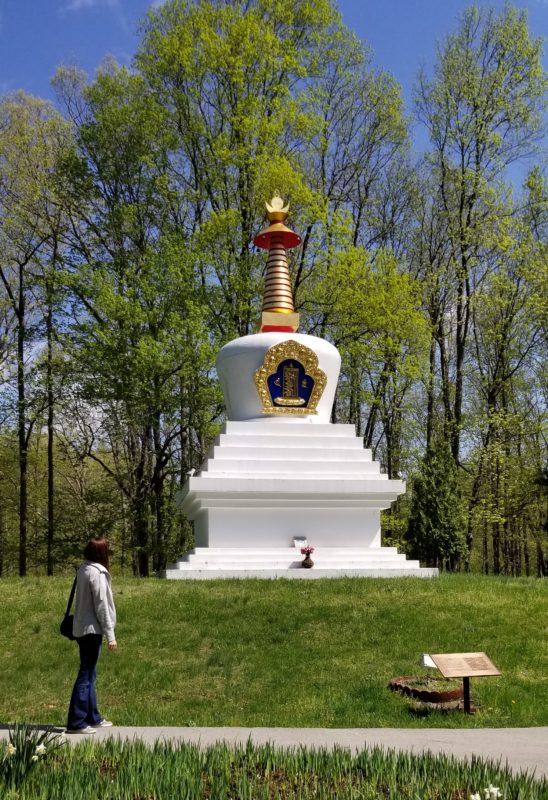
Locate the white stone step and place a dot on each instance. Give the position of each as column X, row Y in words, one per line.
column 295, row 474
column 294, row 467
column 284, row 440
column 257, row 558
column 298, row 565
column 216, row 558
column 305, row 485
column 298, row 574
column 287, row 426
column 215, row 563
column 287, row 552
column 227, row 452
column 278, row 562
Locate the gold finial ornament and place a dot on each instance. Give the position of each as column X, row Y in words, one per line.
column 276, row 211
column 278, row 294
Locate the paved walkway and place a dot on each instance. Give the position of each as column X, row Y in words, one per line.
column 522, row 749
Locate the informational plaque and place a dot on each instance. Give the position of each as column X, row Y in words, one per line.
column 464, row 665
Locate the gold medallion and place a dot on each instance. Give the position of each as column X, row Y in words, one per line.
column 290, row 380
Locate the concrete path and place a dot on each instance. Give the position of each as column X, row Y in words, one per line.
column 522, row 749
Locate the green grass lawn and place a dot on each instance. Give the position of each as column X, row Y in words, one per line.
column 279, row 653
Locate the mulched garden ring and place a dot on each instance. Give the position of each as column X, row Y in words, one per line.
column 430, row 689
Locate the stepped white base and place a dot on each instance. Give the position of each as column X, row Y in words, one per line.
column 266, row 482
column 286, row 562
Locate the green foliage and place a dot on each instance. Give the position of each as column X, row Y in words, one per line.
column 25, row 749
column 88, row 503
column 119, row 770
column 483, row 109
column 230, row 77
column 485, row 103
column 139, row 346
column 437, row 523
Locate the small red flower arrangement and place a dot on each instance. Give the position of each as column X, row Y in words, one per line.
column 306, row 551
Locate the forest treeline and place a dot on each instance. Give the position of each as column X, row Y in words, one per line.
column 127, row 212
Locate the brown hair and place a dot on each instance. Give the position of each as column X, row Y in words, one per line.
column 97, row 550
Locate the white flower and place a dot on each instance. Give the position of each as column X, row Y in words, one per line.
column 476, row 796
column 40, row 750
column 10, row 749
column 34, row 758
column 492, row 792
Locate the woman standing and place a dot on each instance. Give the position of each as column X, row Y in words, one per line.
column 94, row 617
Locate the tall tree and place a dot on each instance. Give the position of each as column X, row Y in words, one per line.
column 228, row 75
column 509, row 343
column 32, row 132
column 138, row 327
column 437, row 523
column 483, row 109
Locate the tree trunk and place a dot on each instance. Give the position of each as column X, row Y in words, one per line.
column 526, row 554
column 140, row 504
column 542, row 565
column 22, row 430
column 49, row 389
column 445, row 388
column 459, row 371
column 496, row 548
column 485, row 549
column 124, row 531
column 354, row 411
column 430, row 395
column 160, row 559
column 141, row 538
column 2, row 540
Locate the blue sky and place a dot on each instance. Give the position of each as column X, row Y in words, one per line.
column 36, row 36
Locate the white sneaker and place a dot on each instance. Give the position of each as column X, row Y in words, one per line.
column 87, row 729
column 105, row 723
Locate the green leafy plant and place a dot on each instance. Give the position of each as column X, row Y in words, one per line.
column 26, row 746
column 121, row 770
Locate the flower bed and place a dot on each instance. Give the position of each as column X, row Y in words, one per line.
column 121, row 770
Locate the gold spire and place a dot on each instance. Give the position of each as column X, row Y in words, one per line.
column 278, row 309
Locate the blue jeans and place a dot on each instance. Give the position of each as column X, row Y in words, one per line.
column 83, row 702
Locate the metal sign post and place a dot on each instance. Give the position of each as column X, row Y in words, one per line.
column 465, row 666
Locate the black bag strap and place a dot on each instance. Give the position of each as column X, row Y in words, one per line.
column 71, row 598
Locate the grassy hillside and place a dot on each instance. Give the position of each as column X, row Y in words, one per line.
column 279, row 653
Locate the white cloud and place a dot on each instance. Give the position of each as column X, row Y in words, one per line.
column 114, row 5
column 6, row 87
column 78, row 5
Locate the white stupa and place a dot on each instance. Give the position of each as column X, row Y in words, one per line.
column 280, row 475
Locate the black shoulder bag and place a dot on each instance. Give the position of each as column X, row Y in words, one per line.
column 65, row 627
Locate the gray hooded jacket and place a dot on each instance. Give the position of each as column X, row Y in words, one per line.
column 94, row 610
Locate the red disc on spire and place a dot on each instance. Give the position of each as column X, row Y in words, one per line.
column 284, row 235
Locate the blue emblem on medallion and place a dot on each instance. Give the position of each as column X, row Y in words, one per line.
column 290, row 381
column 290, row 385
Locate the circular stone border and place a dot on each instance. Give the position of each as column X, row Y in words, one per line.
column 423, row 689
